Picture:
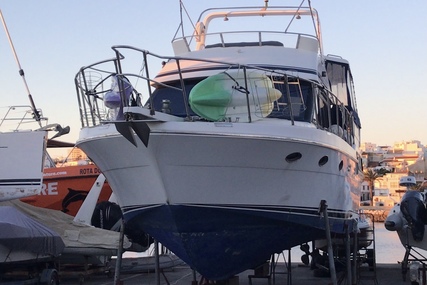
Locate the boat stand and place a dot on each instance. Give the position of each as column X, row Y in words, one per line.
column 355, row 259
column 268, row 270
column 349, row 275
column 264, row 271
column 119, row 255
column 288, row 268
column 360, row 261
column 366, row 268
column 158, row 270
column 323, row 210
column 415, row 263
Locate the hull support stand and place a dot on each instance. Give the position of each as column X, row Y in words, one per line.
column 119, row 255
column 355, row 258
column 323, row 210
column 348, row 255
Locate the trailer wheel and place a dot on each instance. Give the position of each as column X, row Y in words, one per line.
column 50, row 277
column 81, row 279
column 54, row 278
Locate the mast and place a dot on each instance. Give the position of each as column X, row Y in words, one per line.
column 36, row 113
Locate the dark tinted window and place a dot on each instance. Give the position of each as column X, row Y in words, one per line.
column 175, row 97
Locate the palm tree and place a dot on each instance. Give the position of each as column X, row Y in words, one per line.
column 371, row 176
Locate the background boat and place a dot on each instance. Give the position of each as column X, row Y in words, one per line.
column 65, row 188
column 21, row 165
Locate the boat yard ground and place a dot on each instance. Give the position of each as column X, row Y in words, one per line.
column 301, row 275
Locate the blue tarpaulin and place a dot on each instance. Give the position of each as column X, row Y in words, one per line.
column 20, row 232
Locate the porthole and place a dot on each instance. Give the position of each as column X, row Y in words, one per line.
column 341, row 165
column 323, row 160
column 293, row 157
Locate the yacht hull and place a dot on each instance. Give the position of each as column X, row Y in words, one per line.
column 224, row 197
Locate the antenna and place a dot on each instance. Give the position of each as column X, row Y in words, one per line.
column 36, row 113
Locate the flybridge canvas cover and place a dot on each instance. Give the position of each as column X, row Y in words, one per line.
column 20, row 232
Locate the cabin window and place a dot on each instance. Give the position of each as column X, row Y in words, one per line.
column 177, row 105
column 301, row 94
column 341, row 83
column 323, row 112
column 337, row 75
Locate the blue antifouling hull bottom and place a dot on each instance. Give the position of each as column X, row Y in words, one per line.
column 220, row 242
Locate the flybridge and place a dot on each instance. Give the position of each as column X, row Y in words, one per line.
column 202, row 34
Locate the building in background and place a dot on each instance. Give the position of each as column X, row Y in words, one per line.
column 391, row 163
column 75, row 157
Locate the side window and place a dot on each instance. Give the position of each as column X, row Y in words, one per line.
column 323, row 113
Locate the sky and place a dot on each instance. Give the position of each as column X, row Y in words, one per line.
column 385, row 42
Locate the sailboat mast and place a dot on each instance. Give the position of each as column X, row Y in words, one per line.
column 36, row 113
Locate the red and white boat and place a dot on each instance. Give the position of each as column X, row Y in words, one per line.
column 65, row 188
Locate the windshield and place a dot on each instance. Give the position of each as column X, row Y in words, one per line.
column 300, row 100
